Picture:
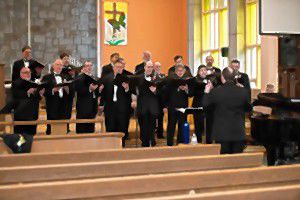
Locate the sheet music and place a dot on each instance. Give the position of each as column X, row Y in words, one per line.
column 183, row 110
column 295, row 100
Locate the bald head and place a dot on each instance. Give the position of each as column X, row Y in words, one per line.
column 209, row 61
column 146, row 56
column 57, row 66
column 148, row 68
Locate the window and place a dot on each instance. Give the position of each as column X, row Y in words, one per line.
column 214, row 30
column 253, row 66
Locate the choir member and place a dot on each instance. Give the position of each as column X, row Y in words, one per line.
column 209, row 66
column 178, row 59
column 25, row 61
column 55, row 95
column 116, row 97
column 176, row 97
column 127, row 73
column 160, row 119
column 214, row 76
column 230, row 102
column 199, row 86
column 107, row 69
column 242, row 78
column 69, row 74
column 139, row 69
column 147, row 105
column 87, row 98
column 27, row 98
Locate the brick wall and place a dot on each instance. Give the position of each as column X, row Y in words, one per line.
column 56, row 26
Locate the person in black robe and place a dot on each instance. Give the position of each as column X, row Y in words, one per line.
column 241, row 78
column 231, row 103
column 108, row 69
column 87, row 98
column 214, row 76
column 25, row 61
column 55, row 96
column 176, row 97
column 199, row 86
column 160, row 119
column 179, row 60
column 116, row 98
column 27, row 102
column 139, row 69
column 147, row 105
column 69, row 74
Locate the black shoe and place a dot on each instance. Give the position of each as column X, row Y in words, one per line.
column 160, row 137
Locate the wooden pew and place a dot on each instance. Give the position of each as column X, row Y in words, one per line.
column 74, row 171
column 156, row 185
column 9, row 160
column 290, row 192
column 72, row 143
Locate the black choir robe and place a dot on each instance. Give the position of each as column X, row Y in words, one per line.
column 160, row 119
column 175, row 98
column 86, row 104
column 117, row 113
column 55, row 105
column 148, row 109
column 27, row 107
column 198, row 93
column 70, row 97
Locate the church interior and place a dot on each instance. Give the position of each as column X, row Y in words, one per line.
column 150, row 99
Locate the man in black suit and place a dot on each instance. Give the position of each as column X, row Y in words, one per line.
column 69, row 74
column 147, row 106
column 242, row 78
column 139, row 69
column 210, row 66
column 27, row 102
column 55, row 96
column 214, row 76
column 108, row 69
column 26, row 61
column 176, row 97
column 160, row 119
column 199, row 85
column 87, row 98
column 116, row 97
column 178, row 59
column 230, row 102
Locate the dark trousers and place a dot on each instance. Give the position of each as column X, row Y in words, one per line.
column 175, row 117
column 209, row 126
column 117, row 122
column 231, row 147
column 55, row 111
column 199, row 125
column 28, row 129
column 160, row 126
column 147, row 127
